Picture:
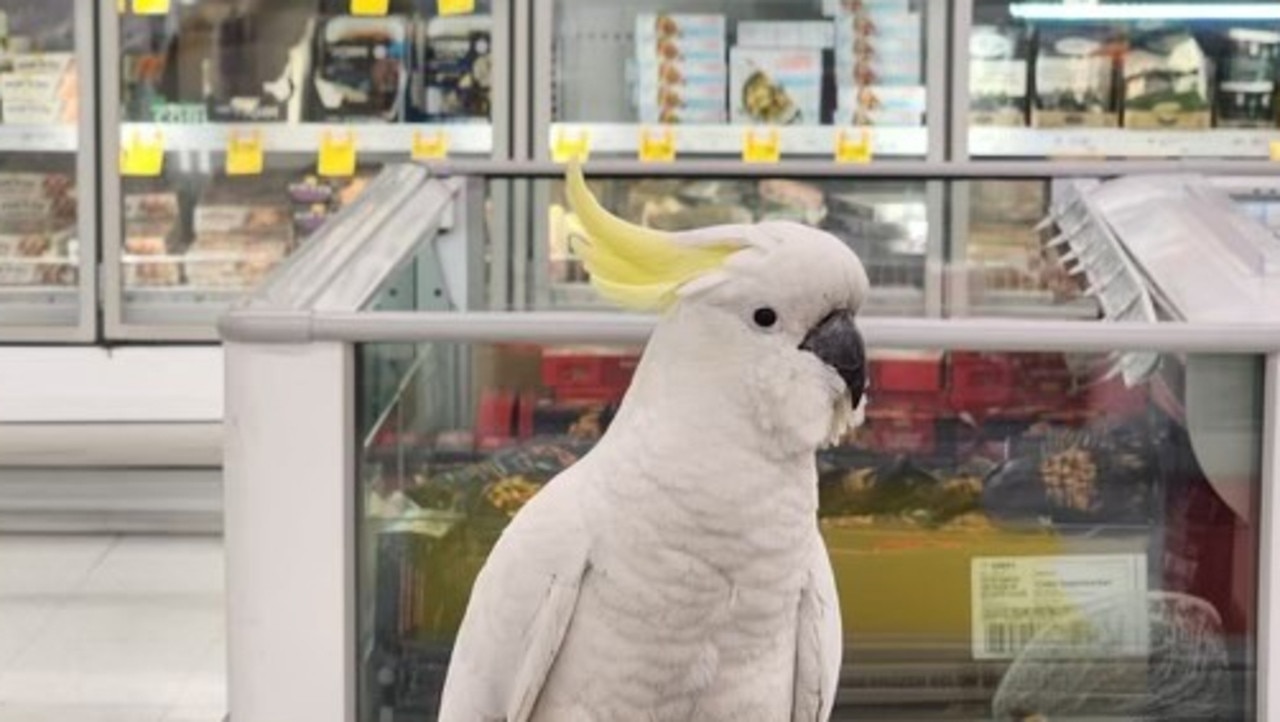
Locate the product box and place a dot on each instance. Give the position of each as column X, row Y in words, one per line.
column 808, row 34
column 1075, row 79
column 775, row 86
column 1167, row 82
column 453, row 76
column 680, row 36
column 361, row 68
column 998, row 76
column 877, row 105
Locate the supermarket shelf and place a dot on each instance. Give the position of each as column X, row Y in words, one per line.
column 463, row 138
column 39, row 138
column 721, row 140
column 1122, row 143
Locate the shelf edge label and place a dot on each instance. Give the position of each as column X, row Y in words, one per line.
column 854, row 148
column 657, row 146
column 763, row 147
column 455, row 7
column 370, row 7
column 142, row 157
column 337, row 155
column 565, row 148
column 1275, row 151
column 150, row 7
column 244, row 153
column 433, row 146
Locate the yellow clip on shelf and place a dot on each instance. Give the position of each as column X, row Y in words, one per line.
column 244, row 153
column 337, row 155
column 566, row 148
column 150, row 7
column 761, row 147
column 657, row 146
column 455, row 7
column 142, row 158
column 430, row 147
column 850, row 149
column 369, row 7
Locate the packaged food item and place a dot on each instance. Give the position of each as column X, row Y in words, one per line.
column 998, row 76
column 669, row 37
column 808, row 34
column 361, row 68
column 1246, row 105
column 773, row 86
column 1075, row 82
column 881, row 105
column 1253, row 56
column 1166, row 82
column 241, row 231
column 681, row 72
column 455, row 69
column 39, row 89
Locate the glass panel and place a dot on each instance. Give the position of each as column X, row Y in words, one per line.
column 39, row 93
column 1046, row 80
column 886, row 223
column 270, row 117
column 1013, row 536
column 703, row 66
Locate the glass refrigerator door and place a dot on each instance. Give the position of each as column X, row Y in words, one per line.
column 243, row 126
column 1013, row 537
column 1122, row 80
column 756, row 80
column 47, row 181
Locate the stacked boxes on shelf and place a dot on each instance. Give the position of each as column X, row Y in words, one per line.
column 682, row 75
column 152, row 234
column 1160, row 77
column 776, row 72
column 879, row 59
column 39, row 89
column 241, row 232
column 37, row 220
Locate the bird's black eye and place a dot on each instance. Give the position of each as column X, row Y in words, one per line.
column 765, row 317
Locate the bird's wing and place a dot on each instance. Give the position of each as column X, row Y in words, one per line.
column 521, row 605
column 819, row 642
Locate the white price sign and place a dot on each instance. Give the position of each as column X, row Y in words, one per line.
column 1094, row 605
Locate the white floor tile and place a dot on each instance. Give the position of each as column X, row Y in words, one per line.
column 137, row 634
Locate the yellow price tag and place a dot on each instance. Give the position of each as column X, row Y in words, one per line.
column 120, row 6
column 657, row 147
column 1275, row 150
column 150, row 7
column 244, row 153
column 455, row 7
column 761, row 148
column 566, row 148
column 142, row 158
column 337, row 155
column 430, row 147
column 370, row 7
column 854, row 149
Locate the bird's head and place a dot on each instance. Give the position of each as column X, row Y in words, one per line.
column 769, row 307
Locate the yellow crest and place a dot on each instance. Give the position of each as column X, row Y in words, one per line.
column 630, row 265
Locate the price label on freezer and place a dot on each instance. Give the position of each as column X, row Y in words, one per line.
column 337, row 158
column 430, row 146
column 570, row 146
column 1275, row 150
column 150, row 7
column 142, row 157
column 854, row 147
column 370, row 7
column 657, row 146
column 1094, row 605
column 244, row 153
column 455, row 7
column 761, row 147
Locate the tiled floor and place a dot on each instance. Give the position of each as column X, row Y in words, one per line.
column 111, row 629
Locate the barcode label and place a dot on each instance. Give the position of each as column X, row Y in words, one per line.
column 1017, row 601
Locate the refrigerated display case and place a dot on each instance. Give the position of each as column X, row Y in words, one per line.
column 48, row 182
column 233, row 130
column 1062, row 519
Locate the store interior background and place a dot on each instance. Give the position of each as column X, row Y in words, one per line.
column 162, row 195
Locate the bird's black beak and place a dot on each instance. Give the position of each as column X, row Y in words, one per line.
column 837, row 343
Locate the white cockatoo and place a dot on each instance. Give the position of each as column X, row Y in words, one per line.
column 676, row 572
